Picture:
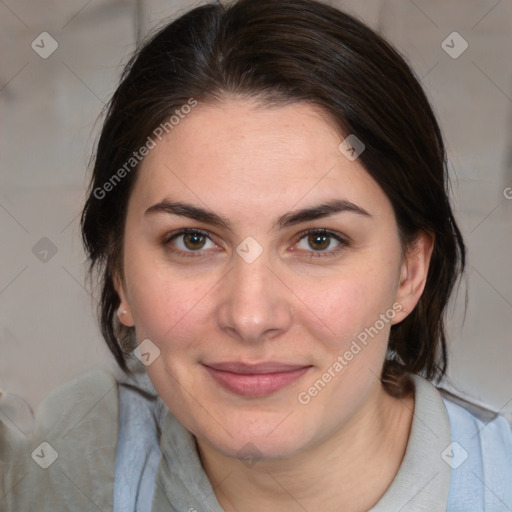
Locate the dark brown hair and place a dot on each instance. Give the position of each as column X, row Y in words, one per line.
column 280, row 52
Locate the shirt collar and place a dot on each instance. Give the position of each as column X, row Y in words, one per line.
column 421, row 483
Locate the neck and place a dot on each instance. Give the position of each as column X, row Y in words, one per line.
column 349, row 471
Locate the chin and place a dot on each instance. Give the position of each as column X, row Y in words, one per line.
column 271, row 439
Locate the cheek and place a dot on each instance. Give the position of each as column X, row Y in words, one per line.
column 174, row 307
column 350, row 340
column 169, row 307
column 338, row 310
column 163, row 308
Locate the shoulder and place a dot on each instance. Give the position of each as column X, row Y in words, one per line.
column 480, row 455
column 478, row 422
column 70, row 452
column 77, row 402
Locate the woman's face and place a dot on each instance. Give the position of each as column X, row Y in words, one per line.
column 259, row 332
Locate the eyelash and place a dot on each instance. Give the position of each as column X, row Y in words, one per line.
column 188, row 231
column 313, row 254
column 343, row 242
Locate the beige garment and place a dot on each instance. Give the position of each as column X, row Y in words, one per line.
column 77, row 424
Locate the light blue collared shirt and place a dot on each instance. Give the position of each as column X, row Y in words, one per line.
column 454, row 461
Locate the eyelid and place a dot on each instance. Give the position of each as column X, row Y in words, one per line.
column 167, row 238
column 343, row 241
column 184, row 231
column 324, row 231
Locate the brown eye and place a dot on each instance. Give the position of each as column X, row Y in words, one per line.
column 319, row 242
column 194, row 241
column 189, row 242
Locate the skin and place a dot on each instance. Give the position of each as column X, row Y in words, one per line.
column 293, row 304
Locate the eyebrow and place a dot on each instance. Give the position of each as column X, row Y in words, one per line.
column 288, row 219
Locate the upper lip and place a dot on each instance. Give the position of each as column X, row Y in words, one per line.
column 252, row 369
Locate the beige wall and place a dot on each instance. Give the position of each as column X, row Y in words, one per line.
column 48, row 109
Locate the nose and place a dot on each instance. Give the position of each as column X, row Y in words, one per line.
column 255, row 304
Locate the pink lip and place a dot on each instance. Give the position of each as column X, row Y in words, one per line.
column 255, row 380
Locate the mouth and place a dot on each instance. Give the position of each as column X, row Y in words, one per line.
column 255, row 380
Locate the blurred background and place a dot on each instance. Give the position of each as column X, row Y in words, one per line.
column 60, row 62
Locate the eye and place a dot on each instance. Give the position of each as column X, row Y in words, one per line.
column 186, row 242
column 322, row 242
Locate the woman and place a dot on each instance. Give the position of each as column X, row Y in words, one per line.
column 269, row 219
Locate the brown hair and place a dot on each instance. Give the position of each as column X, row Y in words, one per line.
column 285, row 51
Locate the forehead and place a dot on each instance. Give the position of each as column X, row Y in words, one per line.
column 236, row 153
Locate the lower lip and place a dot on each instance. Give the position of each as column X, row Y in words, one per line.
column 255, row 384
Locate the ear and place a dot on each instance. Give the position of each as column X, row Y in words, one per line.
column 124, row 312
column 413, row 274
